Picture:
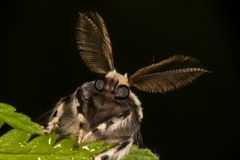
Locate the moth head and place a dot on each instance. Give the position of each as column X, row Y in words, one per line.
column 115, row 84
column 96, row 51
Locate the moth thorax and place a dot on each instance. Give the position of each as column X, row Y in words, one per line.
column 114, row 79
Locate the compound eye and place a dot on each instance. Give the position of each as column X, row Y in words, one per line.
column 99, row 84
column 122, row 92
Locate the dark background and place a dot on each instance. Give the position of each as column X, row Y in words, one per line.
column 40, row 64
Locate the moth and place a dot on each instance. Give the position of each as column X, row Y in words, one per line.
column 106, row 108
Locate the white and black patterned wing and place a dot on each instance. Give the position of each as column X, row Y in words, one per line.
column 94, row 42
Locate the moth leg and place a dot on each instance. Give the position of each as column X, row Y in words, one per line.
column 65, row 115
column 118, row 152
column 53, row 124
column 81, row 128
column 120, row 121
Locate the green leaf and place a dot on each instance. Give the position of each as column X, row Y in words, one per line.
column 18, row 120
column 140, row 154
column 18, row 145
column 14, row 145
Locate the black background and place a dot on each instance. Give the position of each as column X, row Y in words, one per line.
column 40, row 64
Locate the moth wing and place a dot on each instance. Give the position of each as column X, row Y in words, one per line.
column 94, row 42
column 167, row 75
